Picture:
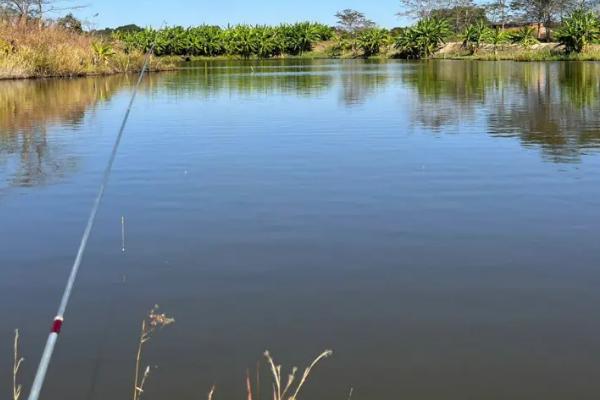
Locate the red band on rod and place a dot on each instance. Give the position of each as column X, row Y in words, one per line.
column 57, row 325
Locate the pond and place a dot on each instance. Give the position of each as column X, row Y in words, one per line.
column 435, row 224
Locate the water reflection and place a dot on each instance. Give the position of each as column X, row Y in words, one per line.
column 360, row 81
column 28, row 109
column 552, row 106
column 212, row 78
column 549, row 105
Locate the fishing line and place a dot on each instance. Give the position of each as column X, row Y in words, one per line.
column 40, row 375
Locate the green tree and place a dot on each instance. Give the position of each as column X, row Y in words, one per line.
column 352, row 21
column 474, row 35
column 526, row 36
column 423, row 39
column 496, row 37
column 499, row 12
column 580, row 29
column 71, row 23
column 371, row 41
column 540, row 11
column 461, row 16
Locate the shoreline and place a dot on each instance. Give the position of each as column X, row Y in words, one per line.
column 82, row 75
column 543, row 52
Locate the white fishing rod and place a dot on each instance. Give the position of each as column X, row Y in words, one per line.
column 40, row 375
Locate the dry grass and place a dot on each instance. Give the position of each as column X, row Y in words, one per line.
column 155, row 321
column 150, row 325
column 28, row 51
column 18, row 360
column 515, row 52
column 288, row 390
column 281, row 392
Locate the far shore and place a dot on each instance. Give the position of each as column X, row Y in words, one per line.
column 451, row 51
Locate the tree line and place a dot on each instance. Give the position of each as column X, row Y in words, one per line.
column 241, row 40
column 502, row 13
column 574, row 23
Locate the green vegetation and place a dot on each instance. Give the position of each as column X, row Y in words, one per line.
column 242, row 40
column 424, row 39
column 28, row 50
column 475, row 35
column 33, row 46
column 526, row 36
column 579, row 30
column 461, row 16
column 372, row 40
column 496, row 37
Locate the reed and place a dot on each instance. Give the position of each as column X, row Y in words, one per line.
column 280, row 390
column 17, row 361
column 150, row 325
column 154, row 321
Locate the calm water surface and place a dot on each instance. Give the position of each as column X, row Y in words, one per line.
column 436, row 224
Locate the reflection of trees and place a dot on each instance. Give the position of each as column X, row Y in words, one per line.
column 28, row 108
column 448, row 92
column 552, row 107
column 360, row 80
column 209, row 78
column 549, row 105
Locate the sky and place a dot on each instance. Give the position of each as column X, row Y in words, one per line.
column 113, row 13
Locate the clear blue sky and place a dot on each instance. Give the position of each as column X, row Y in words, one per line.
column 112, row 13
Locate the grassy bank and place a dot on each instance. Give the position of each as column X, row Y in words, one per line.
column 30, row 51
column 514, row 52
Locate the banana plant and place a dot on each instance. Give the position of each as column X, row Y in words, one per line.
column 370, row 41
column 496, row 37
column 579, row 30
column 423, row 39
column 102, row 52
column 526, row 36
column 474, row 35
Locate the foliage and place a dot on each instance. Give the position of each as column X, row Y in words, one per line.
column 352, row 21
column 5, row 47
column 71, row 23
column 540, row 11
column 51, row 51
column 371, row 41
column 496, row 37
column 580, row 29
column 102, row 52
column 474, row 35
column 499, row 12
column 525, row 36
column 240, row 40
column 423, row 39
column 461, row 17
column 129, row 28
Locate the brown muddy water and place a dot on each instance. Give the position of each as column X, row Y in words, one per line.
column 435, row 223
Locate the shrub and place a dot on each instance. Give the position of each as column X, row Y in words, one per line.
column 102, row 52
column 371, row 40
column 474, row 35
column 424, row 39
column 241, row 40
column 526, row 36
column 70, row 23
column 5, row 47
column 580, row 29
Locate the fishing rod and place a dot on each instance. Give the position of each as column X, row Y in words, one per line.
column 42, row 369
